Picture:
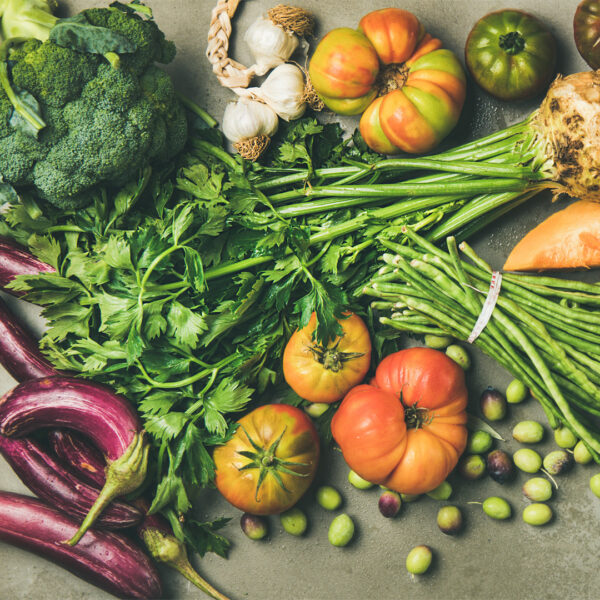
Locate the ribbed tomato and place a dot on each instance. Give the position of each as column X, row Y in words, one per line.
column 411, row 91
column 270, row 461
column 407, row 429
column 321, row 373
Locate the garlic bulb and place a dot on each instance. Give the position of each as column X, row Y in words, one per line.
column 270, row 44
column 283, row 91
column 249, row 125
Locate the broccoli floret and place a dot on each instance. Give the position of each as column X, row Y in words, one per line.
column 103, row 124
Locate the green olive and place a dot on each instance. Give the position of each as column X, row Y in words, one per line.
column 537, row 489
column 410, row 497
column 516, row 392
column 294, row 521
column 472, row 466
column 527, row 460
column 479, row 442
column 441, row 492
column 496, row 508
column 492, row 404
column 459, row 355
column 341, row 530
column 558, row 462
column 564, row 437
column 358, row 482
column 537, row 514
column 438, row 342
column 329, row 498
column 419, row 559
column 595, row 484
column 450, row 520
column 254, row 526
column 528, row 432
column 581, row 454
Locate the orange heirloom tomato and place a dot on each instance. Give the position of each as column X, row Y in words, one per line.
column 407, row 429
column 414, row 97
column 270, row 461
column 325, row 373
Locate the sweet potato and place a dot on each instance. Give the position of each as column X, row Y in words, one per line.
column 569, row 239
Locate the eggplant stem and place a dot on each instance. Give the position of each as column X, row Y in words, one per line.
column 123, row 476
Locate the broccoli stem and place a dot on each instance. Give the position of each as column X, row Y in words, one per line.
column 32, row 117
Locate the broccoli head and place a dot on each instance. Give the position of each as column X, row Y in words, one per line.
column 104, row 120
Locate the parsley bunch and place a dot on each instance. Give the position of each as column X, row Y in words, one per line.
column 181, row 289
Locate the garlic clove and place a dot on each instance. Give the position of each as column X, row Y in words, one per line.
column 270, row 44
column 245, row 119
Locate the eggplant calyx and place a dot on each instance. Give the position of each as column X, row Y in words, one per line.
column 123, row 475
column 169, row 550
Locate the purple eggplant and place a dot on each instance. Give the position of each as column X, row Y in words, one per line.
column 19, row 352
column 80, row 456
column 153, row 530
column 15, row 260
column 103, row 558
column 108, row 420
column 55, row 484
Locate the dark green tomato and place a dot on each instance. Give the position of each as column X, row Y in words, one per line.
column 586, row 27
column 511, row 54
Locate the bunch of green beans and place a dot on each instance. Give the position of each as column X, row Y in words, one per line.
column 545, row 331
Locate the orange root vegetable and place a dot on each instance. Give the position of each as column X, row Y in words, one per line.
column 569, row 239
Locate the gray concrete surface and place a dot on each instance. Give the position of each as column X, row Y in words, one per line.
column 490, row 560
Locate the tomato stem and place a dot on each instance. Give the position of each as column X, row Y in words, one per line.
column 512, row 43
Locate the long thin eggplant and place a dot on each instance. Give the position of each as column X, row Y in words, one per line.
column 106, row 418
column 19, row 352
column 153, row 530
column 103, row 558
column 55, row 484
column 15, row 260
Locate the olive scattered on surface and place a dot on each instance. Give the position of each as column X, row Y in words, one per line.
column 500, row 466
column 492, row 404
column 527, row 460
column 472, row 466
column 564, row 438
column 479, row 442
column 419, row 560
column 254, row 526
column 341, row 530
column 389, row 504
column 294, row 521
column 441, row 492
column 358, row 482
column 595, row 484
column 438, row 342
column 410, row 497
column 516, row 392
column 496, row 508
column 537, row 489
column 537, row 514
column 528, row 432
column 581, row 454
column 459, row 355
column 450, row 520
column 328, row 497
column 558, row 462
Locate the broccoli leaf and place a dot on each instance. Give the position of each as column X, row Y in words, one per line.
column 28, row 103
column 78, row 34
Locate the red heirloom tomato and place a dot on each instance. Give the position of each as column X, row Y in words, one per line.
column 325, row 373
column 586, row 26
column 411, row 91
column 407, row 429
column 270, row 461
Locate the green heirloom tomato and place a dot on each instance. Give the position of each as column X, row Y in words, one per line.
column 511, row 54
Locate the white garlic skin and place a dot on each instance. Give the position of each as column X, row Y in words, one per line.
column 246, row 119
column 270, row 44
column 283, row 91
